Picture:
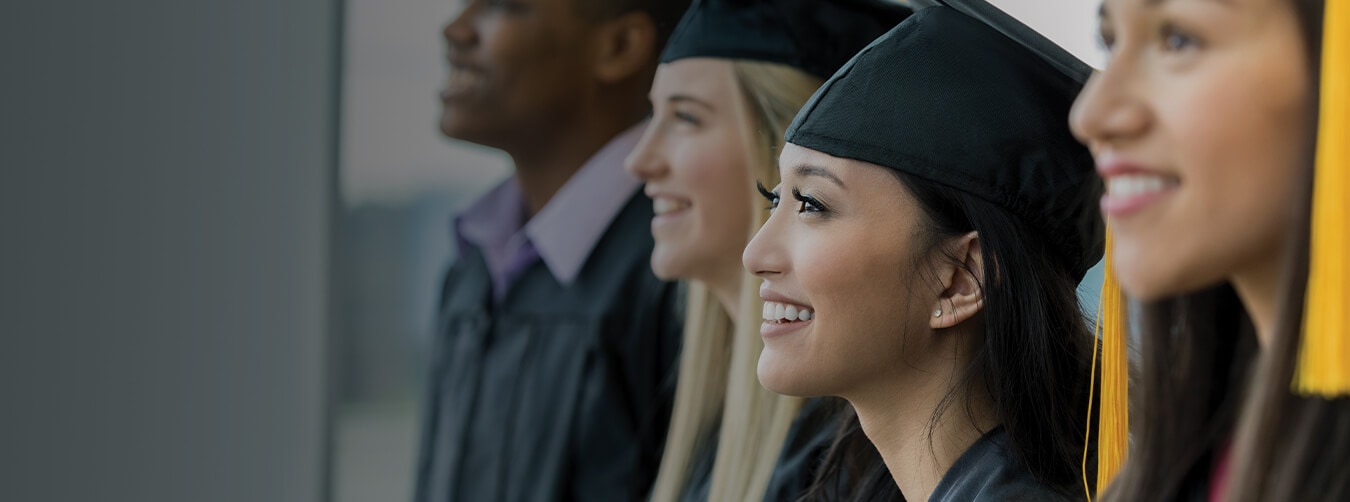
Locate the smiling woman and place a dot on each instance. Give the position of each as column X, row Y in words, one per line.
column 732, row 78
column 1205, row 125
column 933, row 226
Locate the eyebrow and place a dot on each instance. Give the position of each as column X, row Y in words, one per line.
column 805, row 170
column 1103, row 14
column 685, row 98
column 1157, row 3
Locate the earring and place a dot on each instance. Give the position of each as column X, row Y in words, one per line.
column 937, row 313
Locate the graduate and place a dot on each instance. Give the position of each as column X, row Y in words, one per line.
column 1222, row 130
column 732, row 77
column 555, row 341
column 933, row 220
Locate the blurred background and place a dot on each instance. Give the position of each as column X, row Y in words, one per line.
column 222, row 230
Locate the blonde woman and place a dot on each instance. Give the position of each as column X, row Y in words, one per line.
column 731, row 79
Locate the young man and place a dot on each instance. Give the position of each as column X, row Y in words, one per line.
column 552, row 374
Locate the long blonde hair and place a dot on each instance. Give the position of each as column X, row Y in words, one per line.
column 719, row 358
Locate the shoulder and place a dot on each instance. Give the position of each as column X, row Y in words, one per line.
column 987, row 471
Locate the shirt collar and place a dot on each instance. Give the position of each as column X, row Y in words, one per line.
column 568, row 227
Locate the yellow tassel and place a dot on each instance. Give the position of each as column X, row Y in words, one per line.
column 1324, row 357
column 1113, row 427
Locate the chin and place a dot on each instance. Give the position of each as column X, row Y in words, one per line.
column 452, row 128
column 664, row 268
column 779, row 376
column 1160, row 277
column 457, row 125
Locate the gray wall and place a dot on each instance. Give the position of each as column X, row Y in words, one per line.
column 167, row 175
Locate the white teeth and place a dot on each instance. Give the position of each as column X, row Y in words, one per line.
column 462, row 79
column 664, row 205
column 782, row 312
column 1131, row 185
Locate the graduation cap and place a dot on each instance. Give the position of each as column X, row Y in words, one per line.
column 811, row 35
column 976, row 103
column 963, row 95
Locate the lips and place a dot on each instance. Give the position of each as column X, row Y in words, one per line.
column 463, row 79
column 1130, row 188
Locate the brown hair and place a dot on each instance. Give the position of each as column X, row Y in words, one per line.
column 1203, row 381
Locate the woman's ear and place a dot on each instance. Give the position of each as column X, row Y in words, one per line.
column 962, row 296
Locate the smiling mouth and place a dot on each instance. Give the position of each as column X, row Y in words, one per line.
column 462, row 80
column 1127, row 194
column 1135, row 185
column 785, row 313
column 666, row 205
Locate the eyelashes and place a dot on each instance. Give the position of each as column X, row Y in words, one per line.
column 772, row 197
column 808, row 204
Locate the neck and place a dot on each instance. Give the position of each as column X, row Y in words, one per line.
column 1259, row 288
column 901, row 427
column 544, row 162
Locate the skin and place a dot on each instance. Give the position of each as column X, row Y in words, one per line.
column 694, row 161
column 854, row 254
column 537, row 79
column 1214, row 97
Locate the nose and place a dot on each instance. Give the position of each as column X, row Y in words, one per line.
column 459, row 32
column 1109, row 110
column 647, row 162
column 765, row 255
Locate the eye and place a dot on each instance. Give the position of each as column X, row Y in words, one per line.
column 1175, row 39
column 772, row 197
column 510, row 6
column 809, row 204
column 1106, row 39
column 687, row 118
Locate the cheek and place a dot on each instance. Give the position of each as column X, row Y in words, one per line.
column 721, row 193
column 533, row 65
column 1241, row 154
column 863, row 316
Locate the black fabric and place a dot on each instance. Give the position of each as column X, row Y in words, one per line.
column 988, row 471
column 560, row 393
column 811, row 35
column 955, row 101
column 805, row 446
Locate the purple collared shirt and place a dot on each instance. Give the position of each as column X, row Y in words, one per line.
column 563, row 232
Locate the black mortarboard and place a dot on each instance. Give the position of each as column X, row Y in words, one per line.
column 963, row 95
column 816, row 36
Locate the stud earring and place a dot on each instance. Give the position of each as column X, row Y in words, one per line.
column 937, row 313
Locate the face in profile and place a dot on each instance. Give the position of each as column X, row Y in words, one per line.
column 694, row 157
column 1200, row 126
column 515, row 65
column 846, row 305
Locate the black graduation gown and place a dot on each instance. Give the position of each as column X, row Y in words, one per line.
column 987, row 471
column 805, row 446
column 557, row 393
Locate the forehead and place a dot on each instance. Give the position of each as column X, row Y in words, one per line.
column 708, row 79
column 1117, row 7
column 798, row 162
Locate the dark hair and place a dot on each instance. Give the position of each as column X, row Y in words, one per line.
column 665, row 14
column 1204, row 383
column 1034, row 362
